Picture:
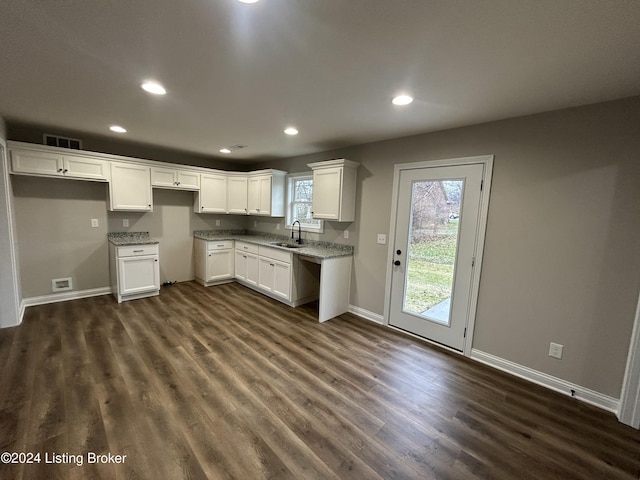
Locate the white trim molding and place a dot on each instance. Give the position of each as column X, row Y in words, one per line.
column 553, row 383
column 629, row 412
column 366, row 314
column 63, row 297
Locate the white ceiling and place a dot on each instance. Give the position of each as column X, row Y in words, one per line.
column 239, row 74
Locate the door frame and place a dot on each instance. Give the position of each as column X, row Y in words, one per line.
column 629, row 407
column 487, row 162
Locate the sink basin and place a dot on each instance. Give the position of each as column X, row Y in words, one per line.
column 286, row 245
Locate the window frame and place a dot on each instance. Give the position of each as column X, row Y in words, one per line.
column 291, row 179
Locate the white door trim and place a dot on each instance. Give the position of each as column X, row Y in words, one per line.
column 487, row 161
column 629, row 410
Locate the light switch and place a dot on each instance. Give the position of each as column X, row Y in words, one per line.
column 95, row 223
column 382, row 238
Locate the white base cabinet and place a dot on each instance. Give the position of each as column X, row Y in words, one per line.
column 135, row 271
column 214, row 261
column 247, row 264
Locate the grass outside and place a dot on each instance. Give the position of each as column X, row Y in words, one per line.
column 430, row 269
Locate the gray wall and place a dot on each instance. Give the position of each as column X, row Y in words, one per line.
column 561, row 260
column 54, row 227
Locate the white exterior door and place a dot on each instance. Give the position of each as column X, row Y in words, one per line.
column 435, row 250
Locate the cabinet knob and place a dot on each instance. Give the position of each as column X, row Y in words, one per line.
column 59, row 170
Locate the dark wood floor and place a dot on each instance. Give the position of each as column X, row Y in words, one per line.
column 225, row 383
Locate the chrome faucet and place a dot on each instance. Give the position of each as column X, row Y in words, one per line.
column 299, row 240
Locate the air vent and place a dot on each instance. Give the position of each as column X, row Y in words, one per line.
column 237, row 146
column 64, row 142
column 61, row 284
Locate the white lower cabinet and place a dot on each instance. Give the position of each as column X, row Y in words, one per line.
column 135, row 271
column 214, row 261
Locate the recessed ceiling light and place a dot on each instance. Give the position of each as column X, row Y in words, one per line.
column 291, row 131
column 225, row 150
column 402, row 100
column 153, row 87
column 248, row 1
column 117, row 129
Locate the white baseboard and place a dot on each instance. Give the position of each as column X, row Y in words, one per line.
column 63, row 297
column 366, row 314
column 557, row 384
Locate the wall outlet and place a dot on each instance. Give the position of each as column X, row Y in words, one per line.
column 125, row 222
column 346, row 234
column 277, row 226
column 95, row 223
column 217, row 223
column 382, row 239
column 255, row 223
column 555, row 350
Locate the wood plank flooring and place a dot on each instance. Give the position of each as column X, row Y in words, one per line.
column 222, row 382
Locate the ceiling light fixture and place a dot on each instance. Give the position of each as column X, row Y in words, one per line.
column 402, row 100
column 225, row 150
column 153, row 87
column 248, row 1
column 117, row 129
column 291, row 131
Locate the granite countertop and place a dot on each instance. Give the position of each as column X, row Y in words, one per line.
column 131, row 238
column 310, row 248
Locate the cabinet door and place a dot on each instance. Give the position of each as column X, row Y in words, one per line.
column 265, row 196
column 36, row 163
column 130, row 187
column 219, row 265
column 163, row 177
column 138, row 275
column 188, row 180
column 213, row 194
column 266, row 274
column 252, row 269
column 241, row 265
column 253, row 196
column 237, row 195
column 326, row 193
column 282, row 280
column 83, row 167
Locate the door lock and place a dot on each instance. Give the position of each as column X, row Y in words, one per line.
column 396, row 263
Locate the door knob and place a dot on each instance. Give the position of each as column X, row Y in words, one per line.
column 396, row 263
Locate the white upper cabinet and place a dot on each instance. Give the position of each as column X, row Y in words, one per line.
column 55, row 164
column 130, row 187
column 266, row 193
column 334, row 190
column 212, row 197
column 237, row 194
column 175, row 179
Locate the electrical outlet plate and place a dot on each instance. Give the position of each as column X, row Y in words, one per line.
column 95, row 223
column 217, row 223
column 555, row 350
column 346, row 234
column 125, row 222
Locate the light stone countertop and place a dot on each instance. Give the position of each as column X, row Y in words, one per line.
column 121, row 239
column 310, row 248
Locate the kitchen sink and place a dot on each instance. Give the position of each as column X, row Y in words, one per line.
column 287, row 245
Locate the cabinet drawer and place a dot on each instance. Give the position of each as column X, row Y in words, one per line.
column 135, row 250
column 247, row 247
column 275, row 254
column 219, row 245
